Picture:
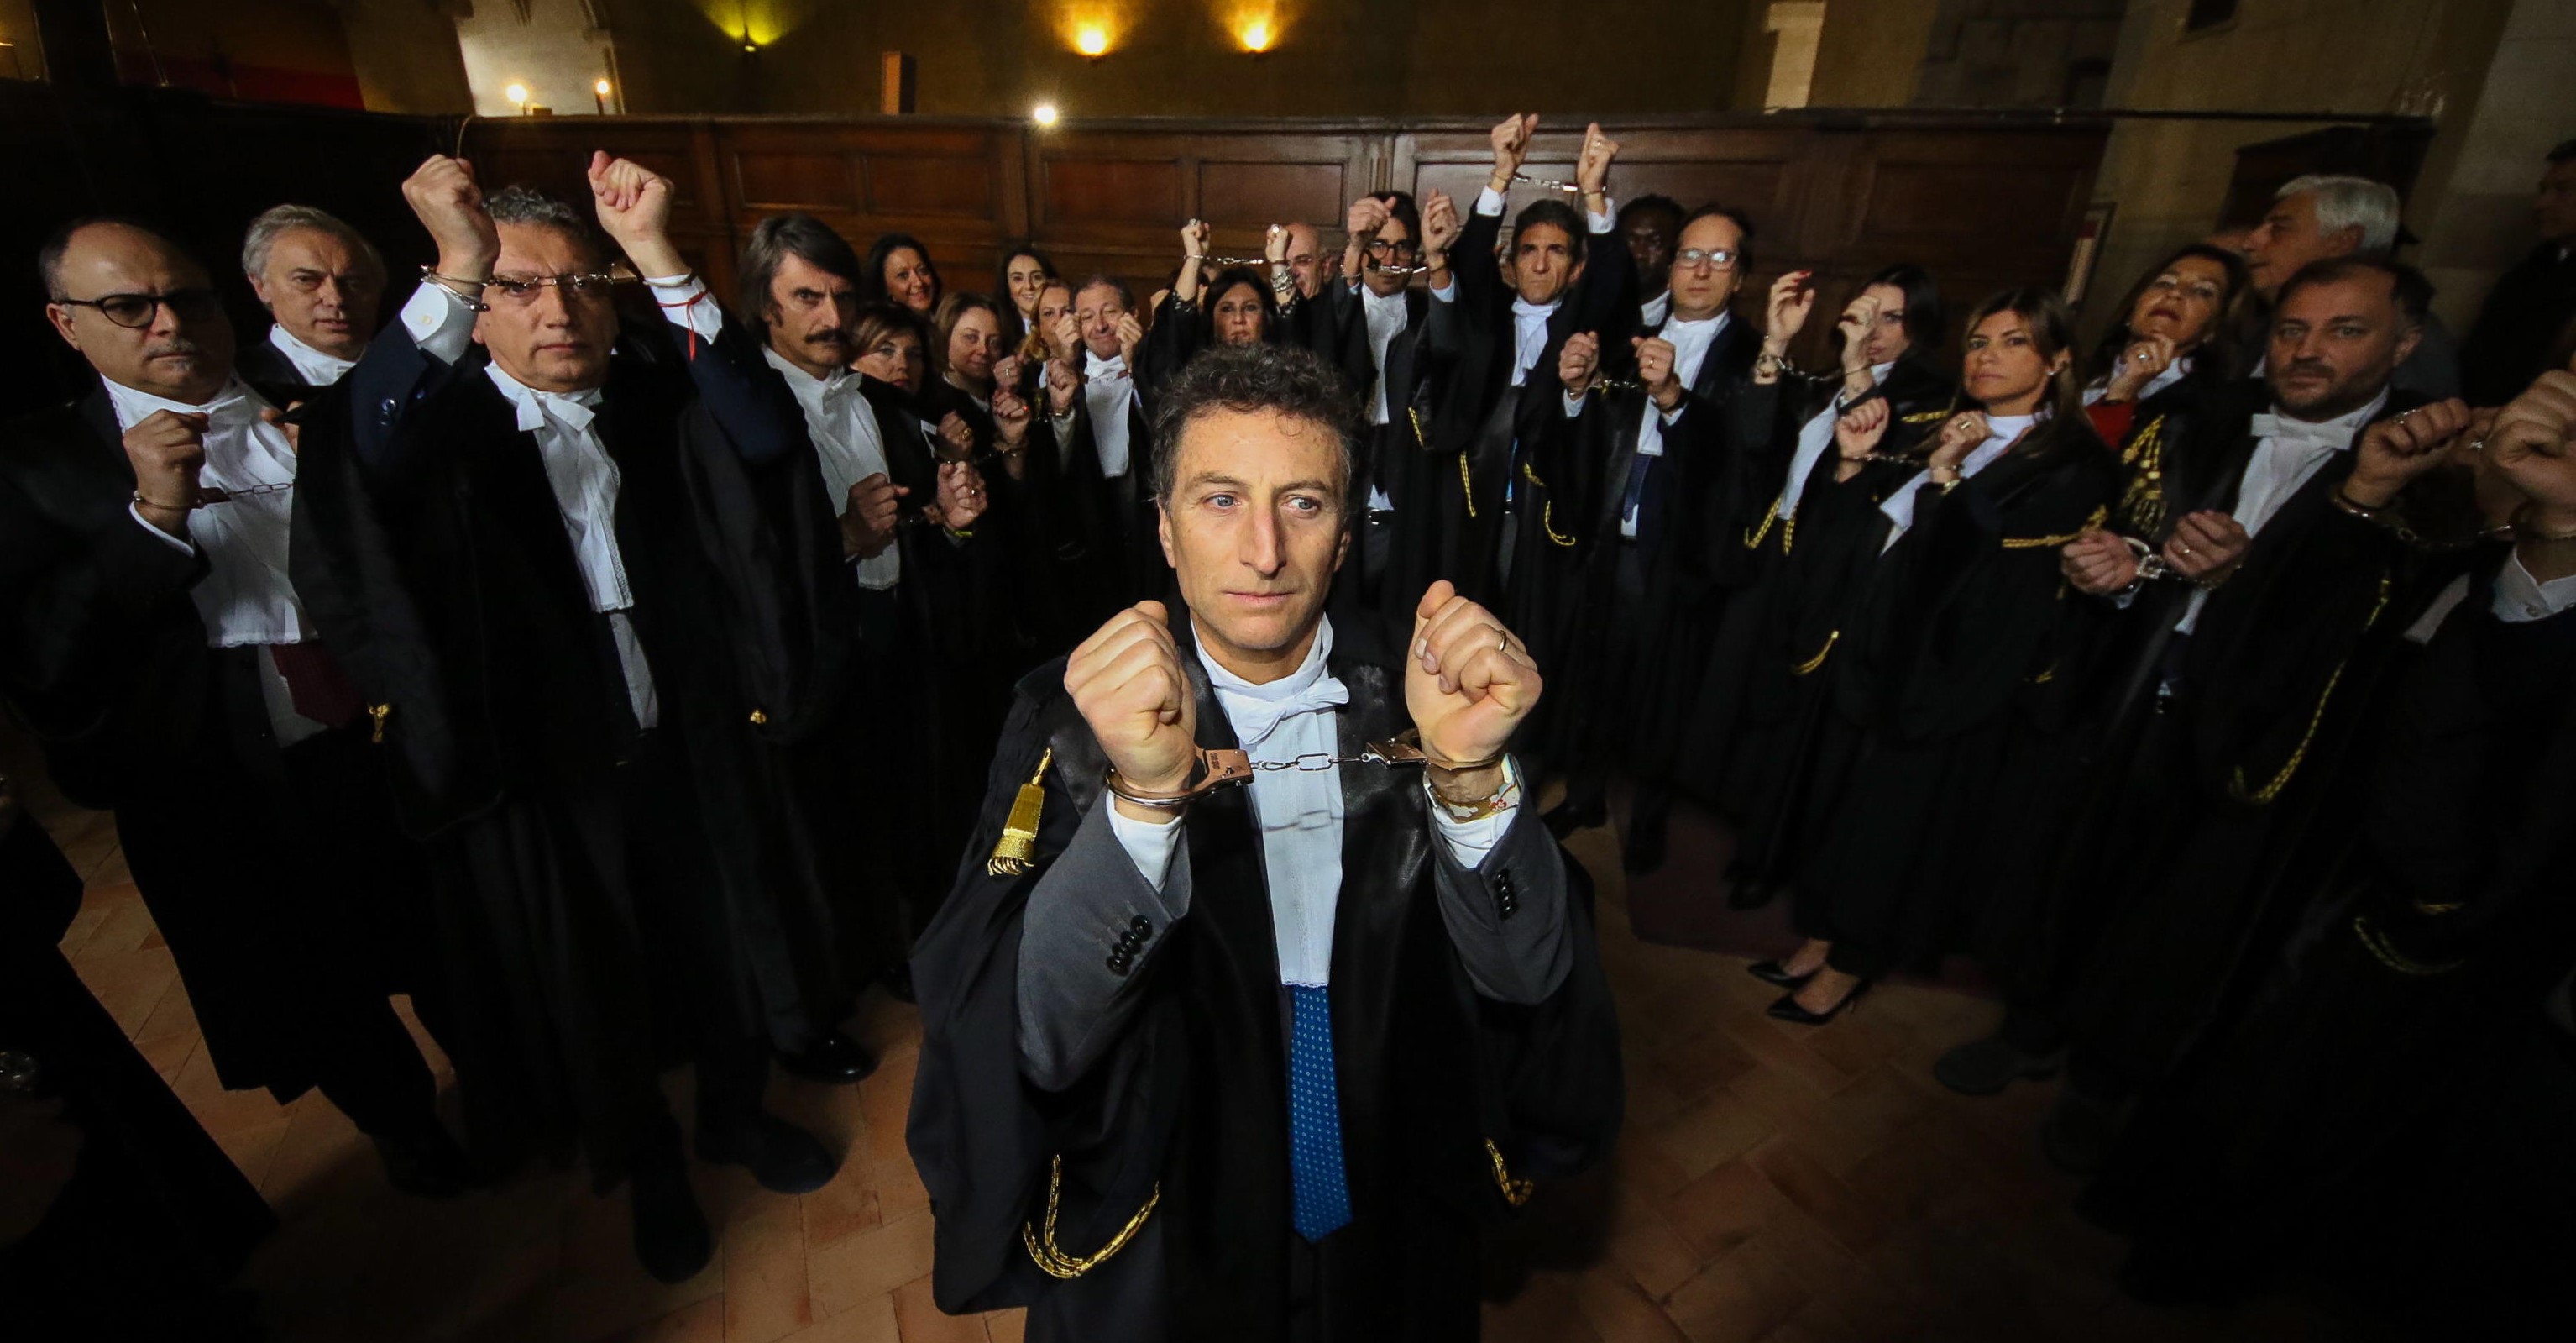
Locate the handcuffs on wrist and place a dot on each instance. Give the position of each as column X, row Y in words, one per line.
column 1224, row 768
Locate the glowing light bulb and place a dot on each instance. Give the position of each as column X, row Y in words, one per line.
column 1043, row 114
column 1091, row 40
column 600, row 88
column 1257, row 36
column 517, row 94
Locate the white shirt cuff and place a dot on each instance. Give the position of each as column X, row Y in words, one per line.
column 2521, row 599
column 1574, row 404
column 1150, row 844
column 1603, row 223
column 1489, row 202
column 1446, row 293
column 180, row 543
column 1471, row 841
column 1676, row 412
column 685, row 303
column 439, row 322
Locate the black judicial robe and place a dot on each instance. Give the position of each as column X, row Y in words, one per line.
column 1751, row 729
column 430, row 547
column 244, row 853
column 2179, row 868
column 1103, row 527
column 1472, row 345
column 928, row 686
column 155, row 1219
column 1192, row 1100
column 2436, row 922
column 1956, row 641
column 1394, row 456
column 2524, row 329
column 1635, row 658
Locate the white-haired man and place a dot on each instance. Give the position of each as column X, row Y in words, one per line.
column 2322, row 215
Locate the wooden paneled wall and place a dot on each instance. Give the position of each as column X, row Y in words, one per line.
column 1984, row 201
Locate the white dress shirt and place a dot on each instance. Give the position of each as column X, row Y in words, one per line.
column 245, row 599
column 2002, row 431
column 1653, row 311
column 1816, row 435
column 2287, row 454
column 2521, row 598
column 843, row 426
column 1386, row 319
column 1691, row 343
column 318, row 368
column 578, row 469
column 1108, row 391
column 1299, row 811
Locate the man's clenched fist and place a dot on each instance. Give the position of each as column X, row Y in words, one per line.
column 1127, row 681
column 1468, row 683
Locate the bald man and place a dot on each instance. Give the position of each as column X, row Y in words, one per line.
column 150, row 638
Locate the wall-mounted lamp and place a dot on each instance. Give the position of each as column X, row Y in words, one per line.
column 599, row 96
column 1044, row 114
column 518, row 96
column 1257, row 35
column 1091, row 40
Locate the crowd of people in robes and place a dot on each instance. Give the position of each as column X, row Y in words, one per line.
column 669, row 667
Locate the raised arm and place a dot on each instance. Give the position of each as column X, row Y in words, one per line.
column 758, row 414
column 437, row 326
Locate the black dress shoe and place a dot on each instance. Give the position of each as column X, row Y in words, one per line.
column 1984, row 1067
column 1773, row 972
column 835, row 1058
column 2080, row 1129
column 671, row 1236
column 1747, row 889
column 898, row 981
column 1787, row 1009
column 785, row 1159
column 426, row 1164
column 1644, row 851
column 1566, row 818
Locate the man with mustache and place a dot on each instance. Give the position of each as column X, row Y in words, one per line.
column 152, row 641
column 1254, row 1062
column 2290, row 574
column 321, row 282
column 909, row 534
column 595, row 585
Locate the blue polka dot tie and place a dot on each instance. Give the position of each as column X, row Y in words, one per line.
column 1321, row 1204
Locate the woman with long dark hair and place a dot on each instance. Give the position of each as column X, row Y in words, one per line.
column 1756, row 708
column 1955, row 625
column 1235, row 306
column 1019, row 277
column 899, row 270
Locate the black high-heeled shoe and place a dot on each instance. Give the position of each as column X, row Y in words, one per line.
column 1788, row 1010
column 1774, row 973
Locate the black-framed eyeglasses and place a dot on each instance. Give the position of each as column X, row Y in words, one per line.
column 1692, row 258
column 136, row 311
column 1386, row 247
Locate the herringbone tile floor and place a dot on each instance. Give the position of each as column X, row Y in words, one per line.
column 1775, row 1183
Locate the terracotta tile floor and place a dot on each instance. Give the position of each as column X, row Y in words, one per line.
column 1779, row 1184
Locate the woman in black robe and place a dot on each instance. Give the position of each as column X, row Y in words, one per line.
column 1957, row 619
column 2193, row 322
column 1755, row 706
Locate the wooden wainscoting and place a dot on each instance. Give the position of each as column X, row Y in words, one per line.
column 1984, row 201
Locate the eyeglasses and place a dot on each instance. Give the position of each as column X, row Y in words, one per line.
column 1692, row 258
column 590, row 288
column 1383, row 247
column 136, row 311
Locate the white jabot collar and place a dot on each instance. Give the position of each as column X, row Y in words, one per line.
column 1257, row 710
column 2336, row 434
column 571, row 410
